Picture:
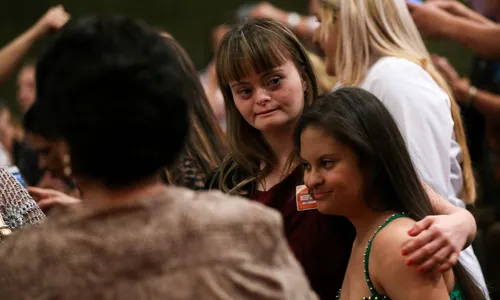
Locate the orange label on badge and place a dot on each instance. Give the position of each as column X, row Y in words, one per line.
column 303, row 199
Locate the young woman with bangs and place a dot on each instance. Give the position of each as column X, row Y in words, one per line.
column 267, row 79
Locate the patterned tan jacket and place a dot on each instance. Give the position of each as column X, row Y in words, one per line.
column 178, row 244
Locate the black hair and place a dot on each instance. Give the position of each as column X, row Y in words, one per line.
column 115, row 92
column 357, row 119
column 33, row 122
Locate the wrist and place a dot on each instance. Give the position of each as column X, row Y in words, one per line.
column 447, row 29
column 469, row 228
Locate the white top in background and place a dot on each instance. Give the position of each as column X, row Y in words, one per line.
column 422, row 111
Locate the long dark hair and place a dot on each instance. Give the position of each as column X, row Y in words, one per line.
column 360, row 121
column 206, row 139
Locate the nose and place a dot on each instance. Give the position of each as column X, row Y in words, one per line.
column 262, row 95
column 312, row 179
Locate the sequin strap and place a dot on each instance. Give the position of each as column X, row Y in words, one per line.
column 366, row 258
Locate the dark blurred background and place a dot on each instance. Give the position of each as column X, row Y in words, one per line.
column 189, row 21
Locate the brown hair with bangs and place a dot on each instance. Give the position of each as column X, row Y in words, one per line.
column 258, row 45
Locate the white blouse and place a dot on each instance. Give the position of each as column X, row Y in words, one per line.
column 422, row 111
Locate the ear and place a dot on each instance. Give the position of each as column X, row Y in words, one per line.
column 304, row 85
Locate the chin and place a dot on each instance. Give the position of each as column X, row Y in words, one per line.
column 326, row 209
column 330, row 206
column 271, row 124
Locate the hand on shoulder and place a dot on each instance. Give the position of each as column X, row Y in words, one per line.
column 391, row 273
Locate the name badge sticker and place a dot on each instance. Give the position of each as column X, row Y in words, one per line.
column 303, row 199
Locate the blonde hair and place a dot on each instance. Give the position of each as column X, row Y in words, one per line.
column 325, row 81
column 370, row 29
column 256, row 46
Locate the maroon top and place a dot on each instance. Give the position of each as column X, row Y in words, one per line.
column 321, row 243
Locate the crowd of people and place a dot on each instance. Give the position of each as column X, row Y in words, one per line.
column 316, row 157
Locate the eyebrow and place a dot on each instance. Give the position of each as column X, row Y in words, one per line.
column 238, row 83
column 266, row 73
column 278, row 69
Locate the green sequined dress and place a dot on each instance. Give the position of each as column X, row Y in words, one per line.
column 456, row 294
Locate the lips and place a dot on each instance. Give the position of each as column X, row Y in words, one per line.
column 320, row 195
column 265, row 112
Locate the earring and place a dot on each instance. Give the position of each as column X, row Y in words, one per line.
column 67, row 165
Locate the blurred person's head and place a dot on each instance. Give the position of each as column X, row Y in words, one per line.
column 50, row 155
column 26, row 89
column 111, row 102
column 7, row 129
column 266, row 78
column 206, row 140
column 355, row 33
column 44, row 144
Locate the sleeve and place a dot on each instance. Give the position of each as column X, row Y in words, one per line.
column 16, row 205
column 422, row 112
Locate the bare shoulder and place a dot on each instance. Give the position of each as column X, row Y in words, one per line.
column 388, row 265
column 387, row 245
column 394, row 234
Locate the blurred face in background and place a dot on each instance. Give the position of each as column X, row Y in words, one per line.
column 7, row 130
column 49, row 156
column 217, row 35
column 51, row 160
column 326, row 36
column 26, row 94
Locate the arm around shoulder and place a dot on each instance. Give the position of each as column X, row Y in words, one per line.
column 389, row 270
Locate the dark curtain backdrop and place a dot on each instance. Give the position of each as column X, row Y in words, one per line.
column 189, row 21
